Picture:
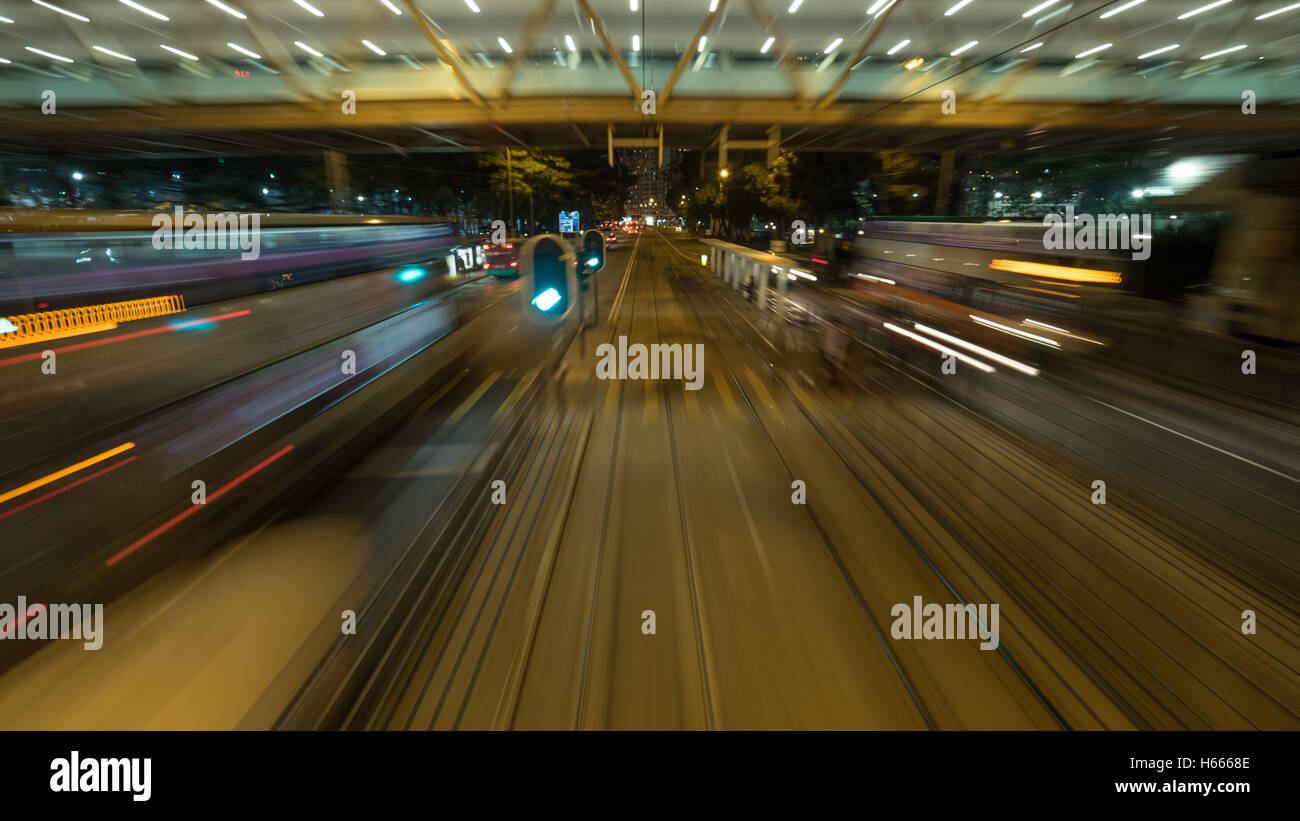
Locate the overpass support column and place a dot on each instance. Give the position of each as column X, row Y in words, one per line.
column 773, row 144
column 336, row 177
column 945, row 184
column 722, row 148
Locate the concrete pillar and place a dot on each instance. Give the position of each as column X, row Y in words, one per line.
column 945, row 183
column 773, row 144
column 336, row 177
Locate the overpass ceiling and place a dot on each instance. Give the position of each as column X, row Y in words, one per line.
column 267, row 75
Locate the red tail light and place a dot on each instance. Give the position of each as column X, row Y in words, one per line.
column 513, row 264
column 485, row 266
column 510, row 245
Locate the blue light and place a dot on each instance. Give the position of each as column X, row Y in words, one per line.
column 547, row 299
column 411, row 274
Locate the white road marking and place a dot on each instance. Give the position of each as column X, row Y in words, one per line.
column 1199, row 442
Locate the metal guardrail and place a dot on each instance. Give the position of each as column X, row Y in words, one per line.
column 72, row 321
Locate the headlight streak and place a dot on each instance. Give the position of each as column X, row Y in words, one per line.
column 941, row 348
column 988, row 323
column 973, row 348
column 1062, row 331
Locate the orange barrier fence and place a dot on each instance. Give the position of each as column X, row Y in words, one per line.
column 89, row 319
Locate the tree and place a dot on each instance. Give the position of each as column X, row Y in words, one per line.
column 542, row 177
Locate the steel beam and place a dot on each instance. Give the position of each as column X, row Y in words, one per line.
column 613, row 53
column 686, row 55
column 446, row 54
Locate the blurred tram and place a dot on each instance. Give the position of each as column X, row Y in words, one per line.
column 1236, row 274
column 1000, row 268
column 58, row 259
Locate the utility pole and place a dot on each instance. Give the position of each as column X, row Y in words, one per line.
column 510, row 184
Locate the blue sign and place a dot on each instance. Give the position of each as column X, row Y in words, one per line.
column 568, row 222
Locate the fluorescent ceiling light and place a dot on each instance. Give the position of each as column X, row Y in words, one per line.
column 1093, row 50
column 897, row 47
column 1160, row 50
column 228, row 9
column 834, row 45
column 960, row 49
column 1041, row 6
column 1130, row 4
column 145, row 10
column 961, row 4
column 1195, row 12
column 53, row 7
column 505, row 45
column 119, row 55
column 1031, row 48
column 1221, row 52
column 568, row 41
column 313, row 52
column 376, row 49
column 309, row 7
column 51, row 55
column 245, row 51
column 1282, row 10
column 391, row 7
column 179, row 53
column 767, row 44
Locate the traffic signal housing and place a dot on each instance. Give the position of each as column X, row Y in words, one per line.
column 593, row 253
column 550, row 283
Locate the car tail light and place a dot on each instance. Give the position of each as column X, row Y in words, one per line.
column 513, row 264
column 510, row 245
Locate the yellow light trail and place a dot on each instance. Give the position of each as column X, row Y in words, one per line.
column 1063, row 272
column 59, row 474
